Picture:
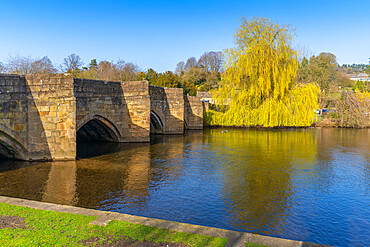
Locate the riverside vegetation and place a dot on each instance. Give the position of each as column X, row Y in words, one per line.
column 259, row 80
column 262, row 81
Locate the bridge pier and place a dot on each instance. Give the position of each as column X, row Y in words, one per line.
column 42, row 116
column 167, row 110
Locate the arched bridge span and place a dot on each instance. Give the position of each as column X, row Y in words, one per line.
column 41, row 116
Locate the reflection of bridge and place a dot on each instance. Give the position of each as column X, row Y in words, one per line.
column 42, row 116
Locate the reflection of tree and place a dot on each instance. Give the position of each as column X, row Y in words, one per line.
column 259, row 171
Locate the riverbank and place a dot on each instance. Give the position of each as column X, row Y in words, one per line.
column 24, row 226
column 33, row 223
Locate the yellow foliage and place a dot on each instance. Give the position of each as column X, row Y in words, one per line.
column 259, row 80
column 362, row 96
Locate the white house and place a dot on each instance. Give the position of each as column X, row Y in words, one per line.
column 360, row 77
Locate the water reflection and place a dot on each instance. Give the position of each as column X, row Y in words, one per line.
column 258, row 168
column 23, row 180
column 305, row 184
column 116, row 183
column 60, row 186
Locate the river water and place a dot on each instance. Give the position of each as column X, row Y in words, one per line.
column 303, row 184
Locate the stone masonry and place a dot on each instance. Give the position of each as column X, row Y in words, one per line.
column 167, row 106
column 193, row 108
column 43, row 116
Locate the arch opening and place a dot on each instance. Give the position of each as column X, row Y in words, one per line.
column 8, row 153
column 95, row 130
column 155, row 122
column 10, row 148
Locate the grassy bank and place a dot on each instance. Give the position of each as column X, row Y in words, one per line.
column 22, row 226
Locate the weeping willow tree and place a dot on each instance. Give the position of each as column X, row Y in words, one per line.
column 259, row 83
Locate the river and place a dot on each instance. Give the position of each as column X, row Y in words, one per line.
column 302, row 184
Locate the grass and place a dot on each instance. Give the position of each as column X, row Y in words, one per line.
column 48, row 228
column 254, row 245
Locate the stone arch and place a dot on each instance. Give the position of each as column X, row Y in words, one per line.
column 11, row 148
column 156, row 123
column 98, row 128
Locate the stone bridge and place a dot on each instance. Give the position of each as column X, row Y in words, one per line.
column 43, row 117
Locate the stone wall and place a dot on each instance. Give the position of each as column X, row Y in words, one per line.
column 193, row 107
column 136, row 94
column 51, row 117
column 13, row 116
column 41, row 116
column 101, row 101
column 168, row 105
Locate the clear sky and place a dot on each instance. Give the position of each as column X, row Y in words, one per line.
column 159, row 34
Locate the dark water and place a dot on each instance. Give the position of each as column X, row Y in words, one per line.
column 311, row 185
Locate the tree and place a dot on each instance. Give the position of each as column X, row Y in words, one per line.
column 191, row 63
column 326, row 73
column 189, row 88
column 106, row 71
column 168, row 79
column 323, row 70
column 259, row 80
column 2, row 68
column 110, row 71
column 195, row 75
column 212, row 82
column 150, row 75
column 211, row 62
column 368, row 70
column 204, row 74
column 72, row 63
column 43, row 66
column 127, row 71
column 180, row 68
column 93, row 63
column 20, row 65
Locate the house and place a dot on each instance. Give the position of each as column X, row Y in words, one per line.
column 360, row 77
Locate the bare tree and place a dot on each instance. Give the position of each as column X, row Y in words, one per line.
column 20, row 65
column 107, row 71
column 71, row 63
column 303, row 51
column 43, row 66
column 2, row 68
column 110, row 71
column 191, row 63
column 180, row 68
column 211, row 61
column 127, row 71
column 353, row 110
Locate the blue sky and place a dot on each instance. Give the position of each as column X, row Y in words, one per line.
column 159, row 34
